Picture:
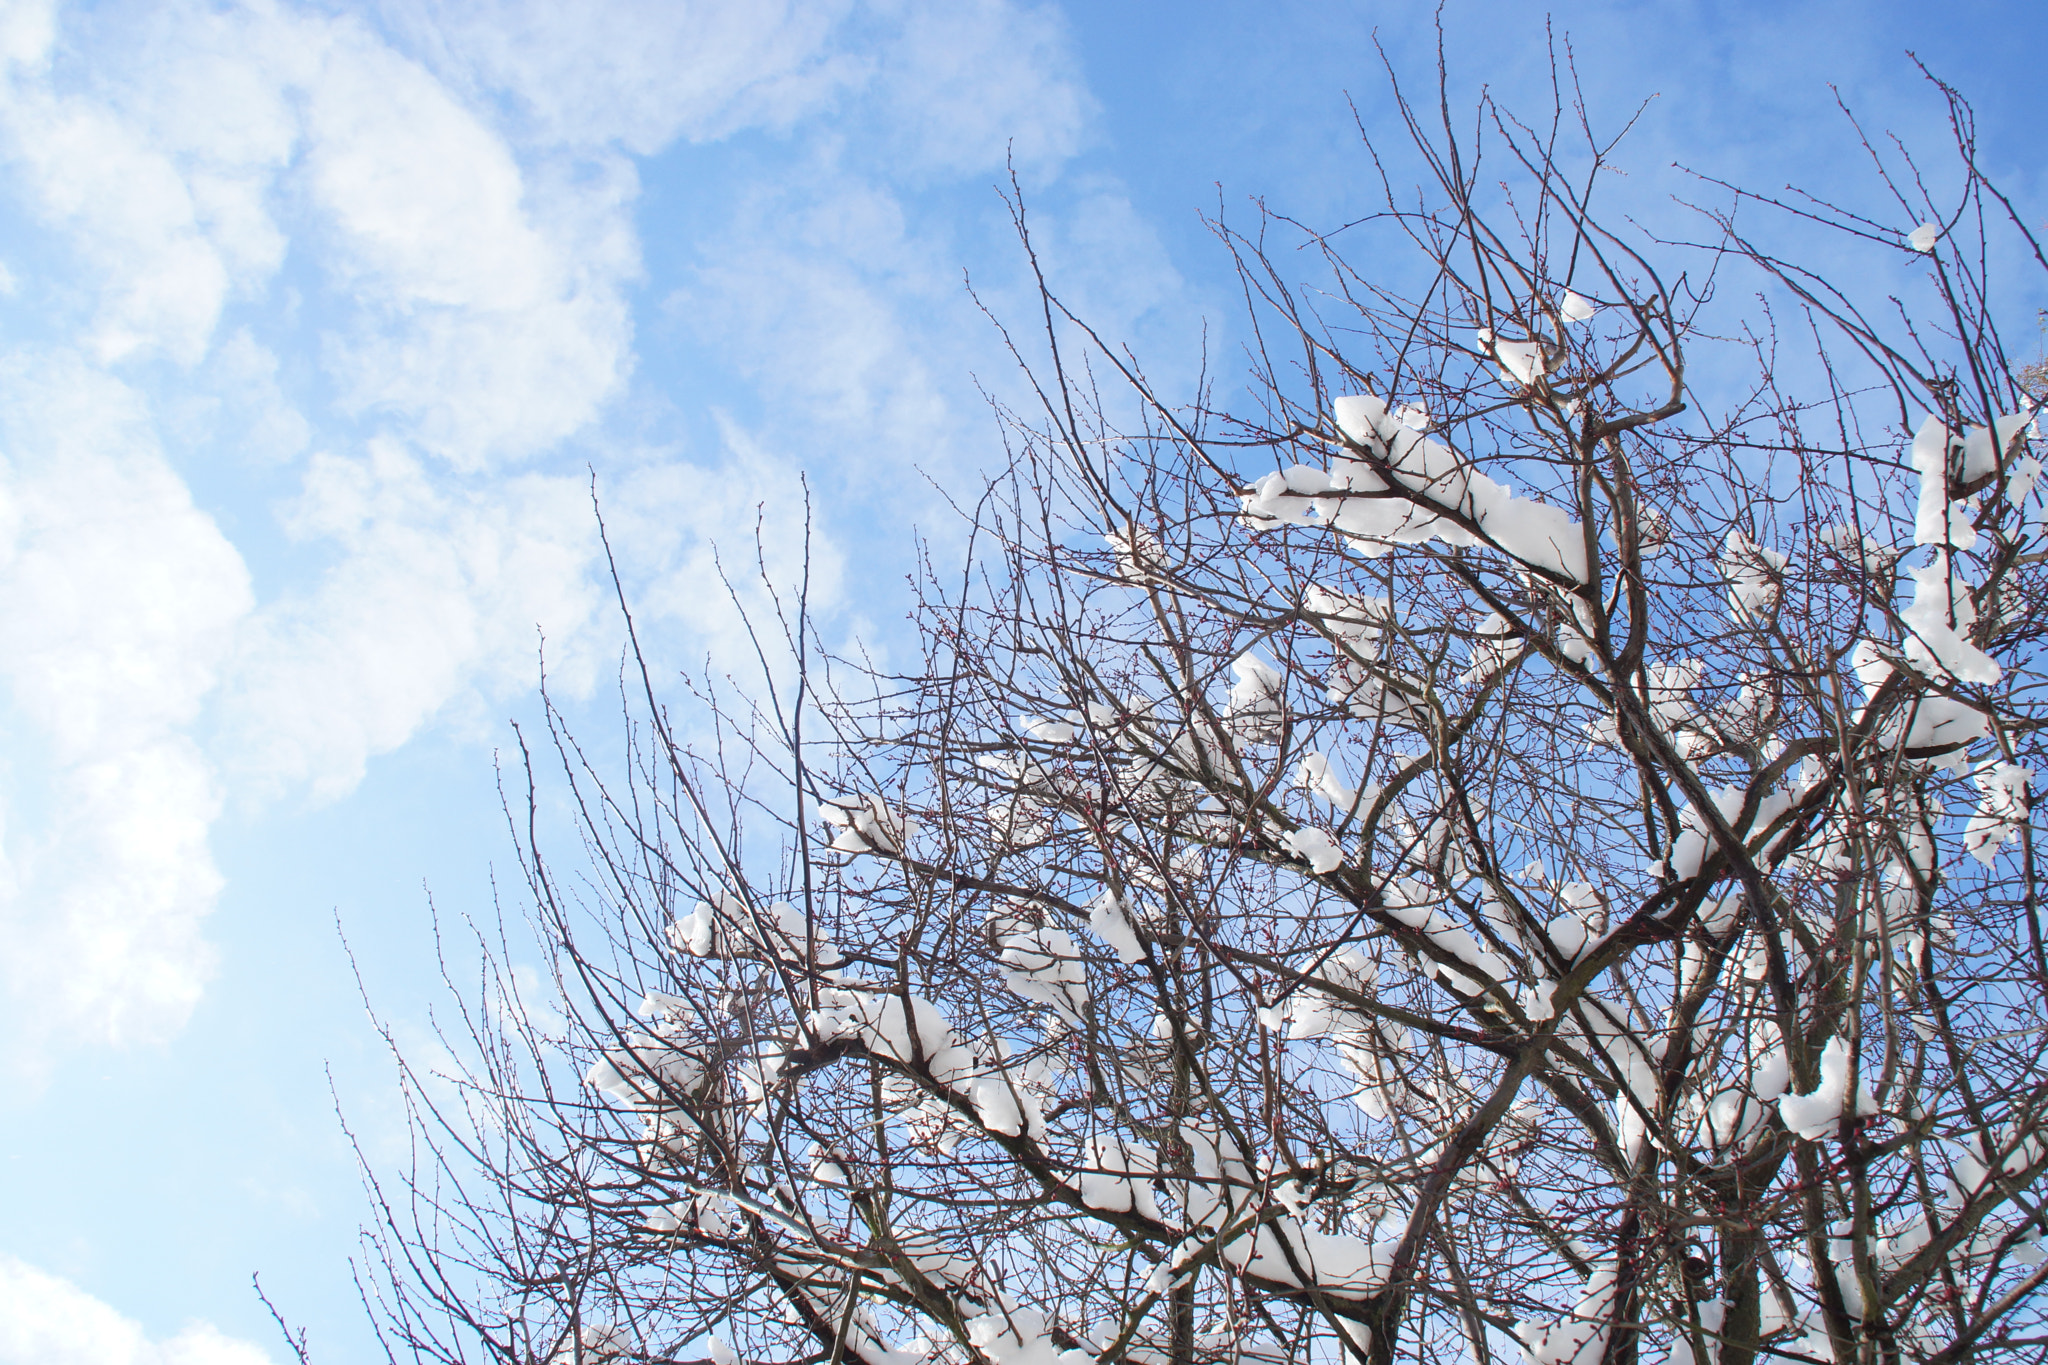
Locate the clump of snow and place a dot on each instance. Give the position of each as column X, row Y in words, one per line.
column 1017, row 1336
column 1819, row 1114
column 1360, row 626
column 655, row 1003
column 1262, row 1242
column 1977, row 1171
column 1940, row 519
column 933, row 1258
column 2020, row 478
column 647, row 1072
column 1618, row 1031
column 1947, row 463
column 1924, row 237
column 1739, row 1110
column 1579, row 1338
column 1429, row 480
column 2001, row 808
column 865, row 824
column 1000, row 1094
column 1576, row 308
column 1584, row 923
column 1653, row 531
column 1316, row 775
column 1042, row 964
column 1938, row 626
column 1255, row 709
column 1311, row 1013
column 1521, row 362
column 599, row 1343
column 878, row 1020
column 709, row 930
column 1358, row 623
column 726, row 926
column 1316, row 847
column 1112, row 922
column 1047, row 729
column 1289, row 497
column 1140, row 555
column 715, row 1215
column 1690, row 849
column 1118, row 1178
column 1934, row 728
column 1874, row 559
column 1413, row 904
column 1712, row 1314
column 1754, row 575
column 1494, row 645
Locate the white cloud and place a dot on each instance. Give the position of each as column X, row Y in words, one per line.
column 131, row 218
column 821, row 294
column 27, row 29
column 488, row 333
column 638, row 72
column 954, row 88
column 840, row 300
column 46, row 1320
column 694, row 545
column 156, row 178
column 443, row 595
column 118, row 601
column 440, row 589
column 480, row 305
column 239, row 406
column 970, row 83
column 445, row 234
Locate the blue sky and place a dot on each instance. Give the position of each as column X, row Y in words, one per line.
column 315, row 320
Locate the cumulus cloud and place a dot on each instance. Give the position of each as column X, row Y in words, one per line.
column 465, row 314
column 157, row 185
column 131, row 218
column 118, row 601
column 441, row 592
column 47, row 1320
column 467, row 306
column 487, row 333
column 238, row 404
column 817, row 295
column 392, row 270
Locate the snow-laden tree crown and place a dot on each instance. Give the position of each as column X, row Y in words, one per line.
column 1481, row 851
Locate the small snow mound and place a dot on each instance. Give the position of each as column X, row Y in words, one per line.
column 1316, row 847
column 1819, row 1114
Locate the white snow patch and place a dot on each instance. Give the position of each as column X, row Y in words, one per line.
column 1316, row 847
column 865, row 824
column 1819, row 1114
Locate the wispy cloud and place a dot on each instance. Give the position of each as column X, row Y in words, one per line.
column 638, row 74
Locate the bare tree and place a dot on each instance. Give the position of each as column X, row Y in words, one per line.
column 1491, row 848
